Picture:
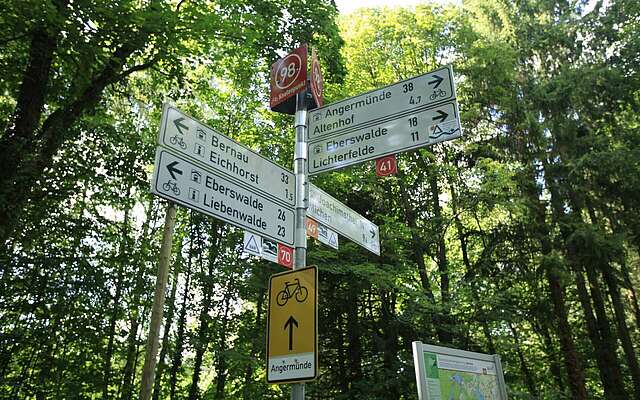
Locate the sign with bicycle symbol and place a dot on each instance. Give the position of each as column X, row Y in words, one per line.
column 292, row 344
column 290, row 291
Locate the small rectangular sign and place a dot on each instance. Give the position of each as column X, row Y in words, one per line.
column 410, row 96
column 200, row 189
column 411, row 131
column 327, row 210
column 201, row 144
column 327, row 236
column 312, row 228
column 285, row 256
column 386, row 166
column 292, row 319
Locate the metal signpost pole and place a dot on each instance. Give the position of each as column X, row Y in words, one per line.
column 149, row 369
column 302, row 176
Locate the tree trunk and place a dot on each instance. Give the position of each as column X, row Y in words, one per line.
column 616, row 298
column 354, row 346
column 623, row 329
column 116, row 306
column 18, row 139
column 575, row 371
column 445, row 333
column 202, row 340
column 248, row 374
column 528, row 377
column 168, row 322
column 182, row 319
column 608, row 338
column 470, row 270
column 390, row 341
column 132, row 340
column 615, row 226
column 592, row 329
column 603, row 339
column 221, row 365
column 418, row 253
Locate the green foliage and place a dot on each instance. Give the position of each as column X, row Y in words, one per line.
column 521, row 238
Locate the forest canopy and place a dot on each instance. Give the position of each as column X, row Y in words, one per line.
column 521, row 238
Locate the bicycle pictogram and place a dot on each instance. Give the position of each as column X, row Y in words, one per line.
column 178, row 140
column 171, row 185
column 437, row 93
column 290, row 290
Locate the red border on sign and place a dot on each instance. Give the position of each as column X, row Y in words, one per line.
column 317, row 87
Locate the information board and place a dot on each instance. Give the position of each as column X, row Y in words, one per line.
column 443, row 373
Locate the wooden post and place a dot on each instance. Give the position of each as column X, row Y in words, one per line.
column 149, row 369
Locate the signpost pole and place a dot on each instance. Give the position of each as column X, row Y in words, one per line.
column 158, row 304
column 302, row 185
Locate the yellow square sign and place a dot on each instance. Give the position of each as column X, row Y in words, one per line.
column 292, row 321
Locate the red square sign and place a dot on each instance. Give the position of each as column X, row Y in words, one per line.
column 288, row 77
column 285, row 256
column 386, row 166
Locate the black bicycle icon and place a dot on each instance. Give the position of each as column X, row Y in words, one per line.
column 171, row 185
column 292, row 290
column 437, row 93
column 178, row 140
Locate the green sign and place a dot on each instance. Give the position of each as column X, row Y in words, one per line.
column 444, row 373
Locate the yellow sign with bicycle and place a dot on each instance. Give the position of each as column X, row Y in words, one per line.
column 292, row 322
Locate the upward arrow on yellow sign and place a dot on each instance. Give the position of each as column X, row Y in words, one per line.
column 292, row 344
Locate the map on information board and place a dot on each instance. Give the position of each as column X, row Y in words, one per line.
column 457, row 378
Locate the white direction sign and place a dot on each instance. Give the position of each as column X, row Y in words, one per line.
column 203, row 145
column 390, row 102
column 409, row 114
column 328, row 211
column 192, row 186
column 411, row 131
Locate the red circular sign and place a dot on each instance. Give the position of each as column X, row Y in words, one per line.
column 287, row 71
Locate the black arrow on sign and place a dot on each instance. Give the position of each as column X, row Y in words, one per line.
column 290, row 322
column 178, row 123
column 438, row 80
column 373, row 233
column 442, row 116
column 173, row 170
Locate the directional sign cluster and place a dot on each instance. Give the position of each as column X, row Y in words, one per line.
column 406, row 115
column 204, row 170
